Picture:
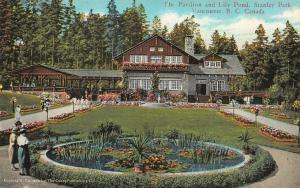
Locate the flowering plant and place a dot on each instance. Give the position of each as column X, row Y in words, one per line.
column 280, row 116
column 4, row 113
column 154, row 66
column 196, row 105
column 109, row 96
column 276, row 133
column 63, row 116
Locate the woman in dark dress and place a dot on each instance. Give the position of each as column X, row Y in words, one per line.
column 23, row 153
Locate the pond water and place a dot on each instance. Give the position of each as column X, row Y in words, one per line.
column 187, row 162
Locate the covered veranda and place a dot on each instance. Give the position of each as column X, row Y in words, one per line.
column 49, row 79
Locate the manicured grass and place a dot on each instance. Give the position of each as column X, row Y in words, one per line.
column 22, row 99
column 135, row 119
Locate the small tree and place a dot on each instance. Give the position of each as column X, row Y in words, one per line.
column 124, row 85
column 155, row 83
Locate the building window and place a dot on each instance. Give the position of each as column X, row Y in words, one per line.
column 152, row 49
column 174, row 85
column 218, row 85
column 221, row 85
column 160, row 49
column 138, row 58
column 214, row 85
column 173, row 59
column 143, row 83
column 156, row 59
column 212, row 64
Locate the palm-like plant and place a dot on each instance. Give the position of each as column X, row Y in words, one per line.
column 142, row 147
column 245, row 138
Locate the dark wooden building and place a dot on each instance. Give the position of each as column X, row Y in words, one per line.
column 46, row 78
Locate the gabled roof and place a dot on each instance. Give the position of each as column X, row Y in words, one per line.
column 232, row 66
column 39, row 65
column 151, row 37
column 94, row 73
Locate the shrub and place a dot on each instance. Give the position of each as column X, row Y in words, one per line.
column 261, row 165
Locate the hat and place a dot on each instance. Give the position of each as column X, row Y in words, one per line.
column 18, row 123
column 15, row 129
column 23, row 130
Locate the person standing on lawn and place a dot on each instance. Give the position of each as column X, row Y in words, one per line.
column 13, row 149
column 18, row 113
column 23, row 153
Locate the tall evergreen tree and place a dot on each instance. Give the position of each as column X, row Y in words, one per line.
column 200, row 47
column 113, row 31
column 156, row 26
column 187, row 27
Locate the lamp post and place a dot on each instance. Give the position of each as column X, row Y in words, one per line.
column 47, row 109
column 298, row 123
column 233, row 105
column 73, row 105
column 256, row 114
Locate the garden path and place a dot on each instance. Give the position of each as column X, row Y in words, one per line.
column 292, row 129
column 287, row 174
column 12, row 179
column 39, row 116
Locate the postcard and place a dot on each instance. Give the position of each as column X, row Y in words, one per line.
column 149, row 93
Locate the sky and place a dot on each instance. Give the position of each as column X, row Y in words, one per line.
column 235, row 17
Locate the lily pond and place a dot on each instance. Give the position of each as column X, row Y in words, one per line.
column 152, row 155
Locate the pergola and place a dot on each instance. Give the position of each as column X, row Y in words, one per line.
column 46, row 78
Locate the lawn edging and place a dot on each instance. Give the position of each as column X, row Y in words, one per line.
column 260, row 165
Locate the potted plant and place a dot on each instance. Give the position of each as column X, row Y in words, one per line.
column 141, row 147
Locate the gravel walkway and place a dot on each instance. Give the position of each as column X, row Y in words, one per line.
column 292, row 129
column 39, row 116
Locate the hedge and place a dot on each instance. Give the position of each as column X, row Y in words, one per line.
column 259, row 166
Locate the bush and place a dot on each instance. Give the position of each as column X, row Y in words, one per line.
column 260, row 165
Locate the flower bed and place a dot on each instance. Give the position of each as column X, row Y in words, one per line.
column 84, row 110
column 196, row 105
column 276, row 135
column 30, row 127
column 244, row 122
column 29, row 108
column 109, row 97
column 226, row 113
column 62, row 117
column 280, row 116
column 4, row 114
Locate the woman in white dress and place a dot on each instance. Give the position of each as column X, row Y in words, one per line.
column 18, row 113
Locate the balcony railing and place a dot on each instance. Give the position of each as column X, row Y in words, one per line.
column 155, row 67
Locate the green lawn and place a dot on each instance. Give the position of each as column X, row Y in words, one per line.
column 22, row 99
column 135, row 119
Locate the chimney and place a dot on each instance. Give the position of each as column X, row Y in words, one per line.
column 189, row 44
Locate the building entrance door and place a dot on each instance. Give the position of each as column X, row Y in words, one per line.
column 201, row 89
